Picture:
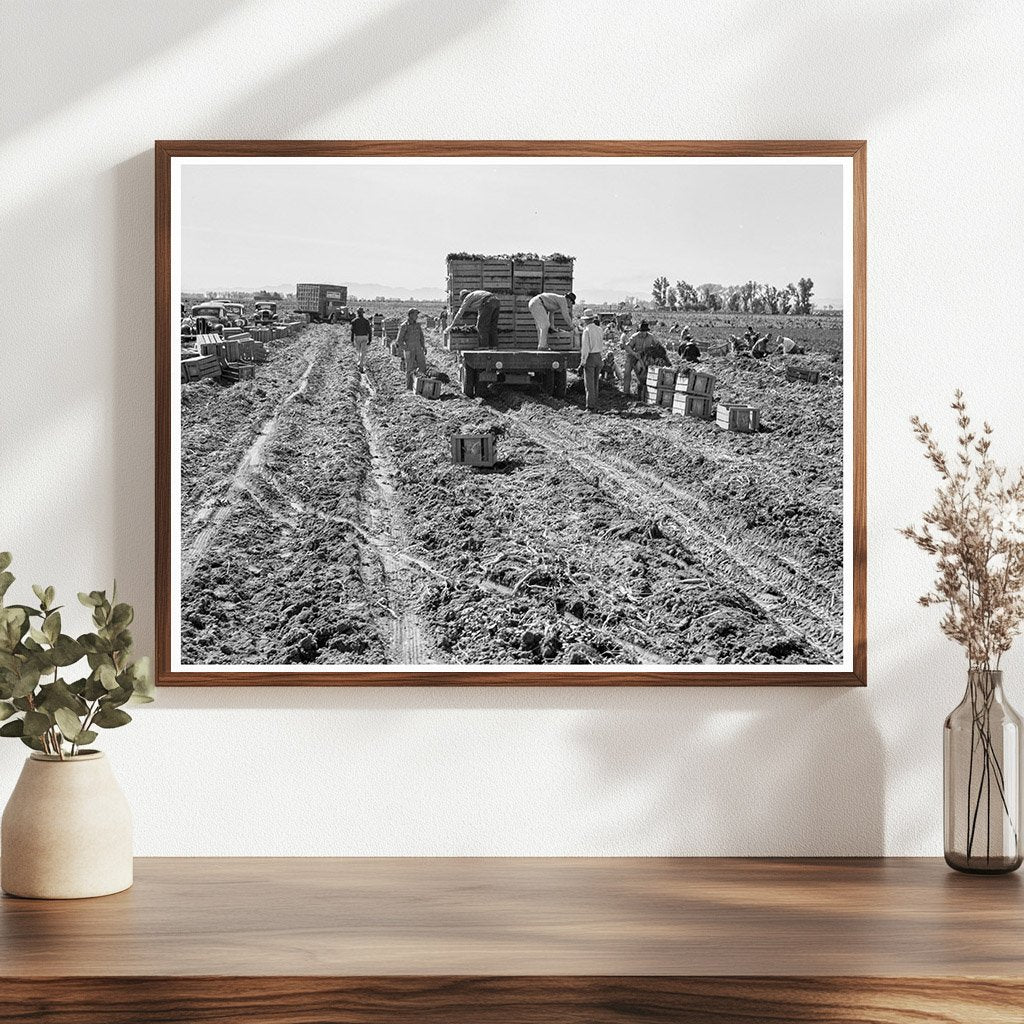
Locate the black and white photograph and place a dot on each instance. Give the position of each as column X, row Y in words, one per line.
column 541, row 414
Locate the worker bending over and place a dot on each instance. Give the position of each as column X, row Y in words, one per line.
column 411, row 344
column 486, row 305
column 543, row 306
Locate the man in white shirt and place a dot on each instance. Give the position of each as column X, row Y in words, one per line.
column 543, row 306
column 591, row 357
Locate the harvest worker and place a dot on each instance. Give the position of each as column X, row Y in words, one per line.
column 411, row 344
column 636, row 347
column 543, row 305
column 361, row 336
column 688, row 348
column 760, row 347
column 486, row 305
column 591, row 356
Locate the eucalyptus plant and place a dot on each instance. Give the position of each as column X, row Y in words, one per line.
column 40, row 707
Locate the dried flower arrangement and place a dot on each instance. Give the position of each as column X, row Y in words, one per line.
column 975, row 529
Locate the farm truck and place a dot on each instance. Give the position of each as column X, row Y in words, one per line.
column 323, row 303
column 516, row 360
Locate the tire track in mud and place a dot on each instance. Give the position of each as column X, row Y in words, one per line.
column 215, row 510
column 793, row 613
column 390, row 541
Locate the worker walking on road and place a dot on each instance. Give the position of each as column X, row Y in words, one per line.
column 486, row 305
column 412, row 345
column 591, row 357
column 543, row 306
column 361, row 337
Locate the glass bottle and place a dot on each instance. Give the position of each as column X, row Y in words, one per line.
column 981, row 772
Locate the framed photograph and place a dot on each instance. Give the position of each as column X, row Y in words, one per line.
column 527, row 413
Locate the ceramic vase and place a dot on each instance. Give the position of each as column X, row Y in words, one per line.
column 66, row 831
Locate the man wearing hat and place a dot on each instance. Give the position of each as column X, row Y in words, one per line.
column 361, row 337
column 412, row 345
column 591, row 356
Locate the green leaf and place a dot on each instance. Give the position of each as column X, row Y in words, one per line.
column 5, row 560
column 107, row 676
column 13, row 728
column 6, row 579
column 31, row 741
column 107, row 718
column 50, row 595
column 6, row 710
column 39, row 636
column 122, row 616
column 36, row 723
column 66, row 651
column 59, row 695
column 27, row 682
column 142, row 678
column 89, row 600
column 40, row 592
column 86, row 736
column 69, row 723
column 51, row 626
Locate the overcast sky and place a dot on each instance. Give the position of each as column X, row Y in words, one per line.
column 249, row 226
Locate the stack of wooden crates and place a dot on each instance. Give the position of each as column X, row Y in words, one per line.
column 683, row 392
column 515, row 282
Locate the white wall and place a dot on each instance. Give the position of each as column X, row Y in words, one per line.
column 934, row 86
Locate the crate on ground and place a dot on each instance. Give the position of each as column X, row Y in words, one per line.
column 259, row 352
column 245, row 350
column 695, row 382
column 474, row 450
column 200, row 367
column 804, row 374
column 661, row 377
column 700, row 406
column 744, row 419
column 239, row 371
column 428, row 387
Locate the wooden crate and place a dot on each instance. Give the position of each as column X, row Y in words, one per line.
column 245, row 350
column 802, row 373
column 259, row 352
column 200, row 367
column 462, row 342
column 661, row 377
column 239, row 371
column 744, row 419
column 496, row 275
column 428, row 387
column 474, row 450
column 699, row 406
column 694, row 382
column 528, row 277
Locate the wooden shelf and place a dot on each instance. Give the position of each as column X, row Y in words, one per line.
column 573, row 941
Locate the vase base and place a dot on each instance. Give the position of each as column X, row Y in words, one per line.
column 982, row 865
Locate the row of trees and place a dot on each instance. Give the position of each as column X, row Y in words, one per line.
column 752, row 297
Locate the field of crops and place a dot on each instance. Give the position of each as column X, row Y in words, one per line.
column 323, row 521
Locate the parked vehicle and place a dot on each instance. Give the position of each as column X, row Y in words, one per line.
column 235, row 312
column 209, row 316
column 323, row 303
column 266, row 312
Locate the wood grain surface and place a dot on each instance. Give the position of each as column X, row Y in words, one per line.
column 503, row 940
column 166, row 150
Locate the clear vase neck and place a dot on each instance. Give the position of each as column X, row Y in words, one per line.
column 985, row 680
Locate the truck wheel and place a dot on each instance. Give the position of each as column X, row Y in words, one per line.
column 469, row 382
column 559, row 382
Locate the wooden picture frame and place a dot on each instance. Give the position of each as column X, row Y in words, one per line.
column 852, row 672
